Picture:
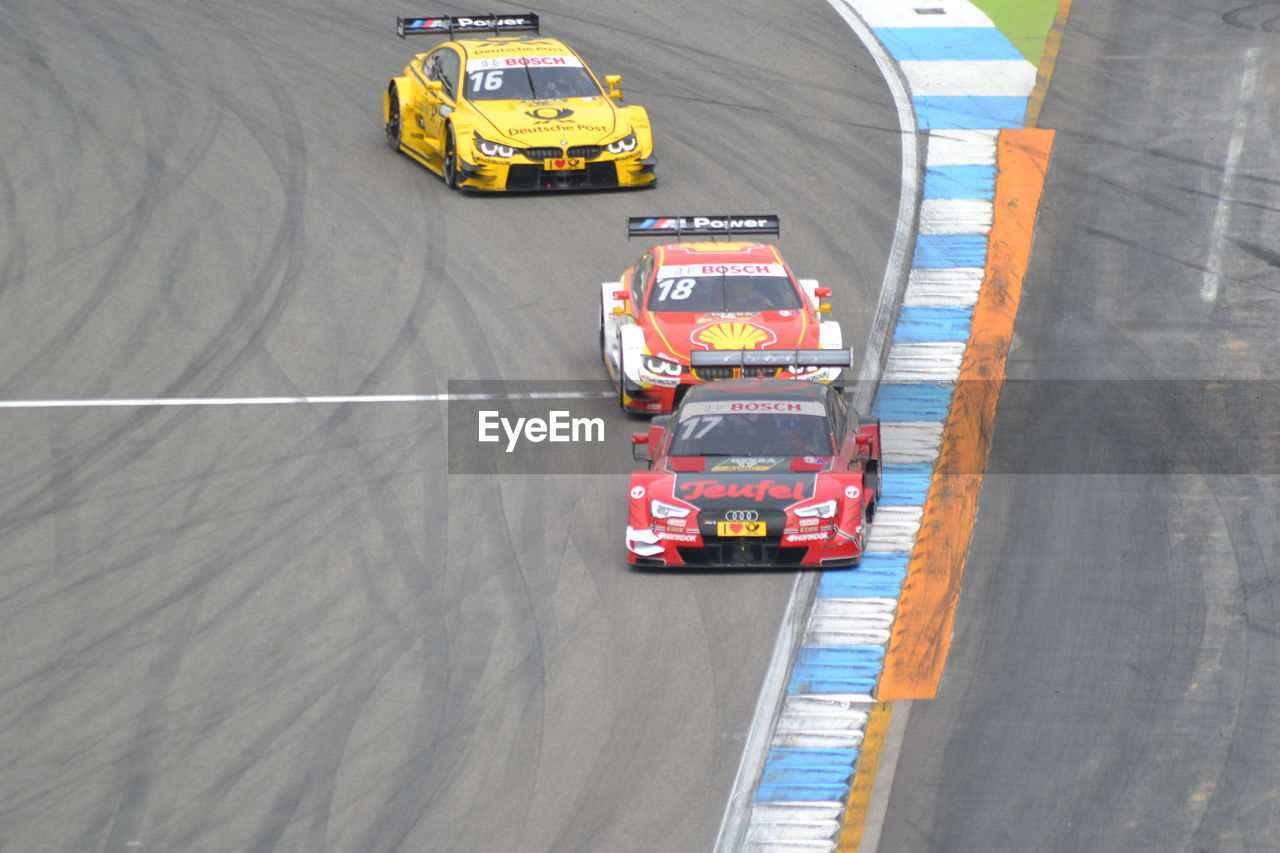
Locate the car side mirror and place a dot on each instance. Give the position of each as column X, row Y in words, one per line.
column 822, row 293
column 640, row 447
column 435, row 87
column 614, row 81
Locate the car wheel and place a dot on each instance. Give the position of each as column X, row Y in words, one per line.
column 450, row 165
column 393, row 119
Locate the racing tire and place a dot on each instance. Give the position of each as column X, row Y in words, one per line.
column 393, row 128
column 449, row 165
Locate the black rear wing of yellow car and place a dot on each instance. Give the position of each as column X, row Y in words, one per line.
column 664, row 226
column 461, row 24
column 771, row 358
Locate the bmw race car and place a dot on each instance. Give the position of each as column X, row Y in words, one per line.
column 755, row 472
column 488, row 110
column 690, row 312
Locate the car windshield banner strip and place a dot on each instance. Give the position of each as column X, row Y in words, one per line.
column 549, row 61
column 772, row 358
column 808, row 408
column 661, row 226
column 466, row 24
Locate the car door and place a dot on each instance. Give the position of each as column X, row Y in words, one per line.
column 441, row 65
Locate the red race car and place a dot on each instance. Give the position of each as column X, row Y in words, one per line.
column 755, row 472
column 697, row 311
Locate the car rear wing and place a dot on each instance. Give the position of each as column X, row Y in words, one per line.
column 662, row 226
column 771, row 358
column 453, row 24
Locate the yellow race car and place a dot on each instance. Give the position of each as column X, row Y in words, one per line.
column 494, row 111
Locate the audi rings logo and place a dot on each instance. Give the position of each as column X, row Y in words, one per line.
column 548, row 114
column 742, row 515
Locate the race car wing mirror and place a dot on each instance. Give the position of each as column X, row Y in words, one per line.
column 614, row 81
column 621, row 296
column 640, row 447
column 823, row 293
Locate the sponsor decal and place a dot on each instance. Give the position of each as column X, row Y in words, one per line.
column 740, row 528
column 484, row 64
column 816, row 460
column 734, row 336
column 558, row 128
column 749, row 407
column 809, row 522
column 786, row 313
column 749, row 463
column 677, row 537
column 701, row 270
column 851, row 492
column 806, row 537
column 668, row 223
column 637, row 491
column 558, row 426
column 760, row 491
column 549, row 114
column 676, row 522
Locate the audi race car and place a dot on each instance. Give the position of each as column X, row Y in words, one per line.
column 755, row 472
column 489, row 110
column 690, row 312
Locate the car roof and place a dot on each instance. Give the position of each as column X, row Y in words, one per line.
column 708, row 252
column 757, row 389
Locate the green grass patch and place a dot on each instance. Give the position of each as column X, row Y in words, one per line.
column 1026, row 23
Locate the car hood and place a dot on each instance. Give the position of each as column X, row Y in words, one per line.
column 675, row 335
column 714, row 490
column 580, row 121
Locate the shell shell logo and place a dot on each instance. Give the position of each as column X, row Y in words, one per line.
column 734, row 336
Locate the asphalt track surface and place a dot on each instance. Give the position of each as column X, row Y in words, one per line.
column 1114, row 683
column 289, row 627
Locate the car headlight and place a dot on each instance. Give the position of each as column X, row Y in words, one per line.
column 653, row 364
column 826, row 509
column 659, row 509
column 626, row 143
column 493, row 149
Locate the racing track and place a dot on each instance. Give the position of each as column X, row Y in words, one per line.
column 289, row 628
column 1113, row 680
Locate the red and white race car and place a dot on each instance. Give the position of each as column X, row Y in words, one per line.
column 755, row 472
column 690, row 312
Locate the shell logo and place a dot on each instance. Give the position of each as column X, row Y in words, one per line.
column 734, row 336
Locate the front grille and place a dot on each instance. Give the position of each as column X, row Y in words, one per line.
column 711, row 374
column 543, row 153
column 595, row 176
column 590, row 152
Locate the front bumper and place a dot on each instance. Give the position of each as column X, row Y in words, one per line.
column 531, row 177
column 823, row 547
column 660, row 399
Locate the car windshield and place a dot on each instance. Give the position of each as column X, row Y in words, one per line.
column 529, row 82
column 723, row 288
column 730, row 428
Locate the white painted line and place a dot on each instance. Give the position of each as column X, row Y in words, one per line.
column 953, row 286
column 955, row 216
column 1211, row 280
column 908, row 443
column 935, row 361
column 922, row 13
column 144, row 402
column 961, row 148
column 981, row 77
column 895, row 529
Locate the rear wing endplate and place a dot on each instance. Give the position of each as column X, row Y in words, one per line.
column 454, row 24
column 663, row 226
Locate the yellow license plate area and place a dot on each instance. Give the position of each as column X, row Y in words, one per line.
column 563, row 164
column 740, row 528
